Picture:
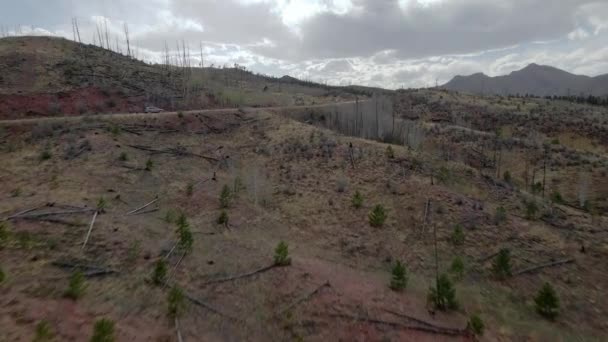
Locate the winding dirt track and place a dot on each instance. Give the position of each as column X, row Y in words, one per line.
column 126, row 115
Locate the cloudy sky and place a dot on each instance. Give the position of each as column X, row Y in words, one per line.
column 388, row 43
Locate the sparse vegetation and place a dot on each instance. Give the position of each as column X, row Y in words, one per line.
column 500, row 216
column 531, row 209
column 443, row 295
column 357, row 200
column 547, row 303
column 390, row 153
column 76, row 287
column 398, row 277
column 457, row 237
column 281, row 255
column 377, row 216
column 502, row 264
column 103, row 331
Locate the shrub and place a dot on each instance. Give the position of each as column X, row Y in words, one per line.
column 160, row 272
column 341, row 184
column 556, row 197
column 399, row 277
column 457, row 237
column 223, row 218
column 500, row 216
column 45, row 155
column 357, row 200
column 443, row 296
column 531, row 209
column 502, row 264
column 176, row 302
column 123, row 156
column 225, row 197
column 43, row 332
column 4, row 234
column 103, row 331
column 76, row 286
column 507, row 176
column 475, row 325
column 281, row 254
column 149, row 164
column 457, row 268
column 390, row 154
column 101, row 204
column 377, row 216
column 547, row 303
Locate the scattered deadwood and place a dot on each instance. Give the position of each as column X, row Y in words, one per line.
column 143, row 206
column 539, row 267
column 427, row 324
column 303, row 298
column 179, row 333
column 428, row 329
column 487, row 257
column 57, row 221
column 177, row 151
column 86, row 239
column 89, row 271
column 240, row 276
column 174, row 270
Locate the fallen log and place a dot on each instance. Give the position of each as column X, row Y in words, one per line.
column 487, row 257
column 179, row 333
column 174, row 270
column 240, row 276
column 143, row 206
column 147, row 211
column 86, row 239
column 539, row 267
column 66, row 212
column 89, row 270
column 209, row 307
column 428, row 329
column 303, row 298
column 419, row 321
column 24, row 212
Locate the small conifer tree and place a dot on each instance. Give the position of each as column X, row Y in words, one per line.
column 176, row 302
column 225, row 197
column 476, row 325
column 390, row 153
column 443, row 295
column 43, row 332
column 458, row 237
column 281, row 254
column 357, row 200
column 149, row 164
column 76, row 286
column 377, row 216
column 547, row 303
column 398, row 277
column 160, row 272
column 502, row 264
column 103, row 331
column 223, row 218
column 457, row 268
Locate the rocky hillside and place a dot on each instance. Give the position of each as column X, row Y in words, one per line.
column 539, row 80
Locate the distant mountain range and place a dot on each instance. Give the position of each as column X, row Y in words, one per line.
column 540, row 80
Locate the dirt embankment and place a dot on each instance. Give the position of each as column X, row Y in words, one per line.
column 74, row 102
